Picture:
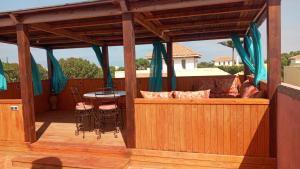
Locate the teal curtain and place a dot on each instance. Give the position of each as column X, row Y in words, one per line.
column 58, row 79
column 155, row 81
column 3, row 82
column 36, row 78
column 260, row 70
column 243, row 54
column 249, row 46
column 99, row 55
column 166, row 58
column 254, row 61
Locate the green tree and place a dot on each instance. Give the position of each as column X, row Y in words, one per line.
column 232, row 69
column 76, row 68
column 142, row 64
column 43, row 72
column 13, row 75
column 205, row 64
column 11, row 72
column 112, row 70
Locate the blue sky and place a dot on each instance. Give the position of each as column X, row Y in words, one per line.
column 208, row 49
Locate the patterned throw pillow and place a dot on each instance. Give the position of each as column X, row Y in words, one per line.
column 250, row 92
column 153, row 95
column 202, row 94
column 228, row 86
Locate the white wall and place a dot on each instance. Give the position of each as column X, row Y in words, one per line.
column 224, row 63
column 190, row 63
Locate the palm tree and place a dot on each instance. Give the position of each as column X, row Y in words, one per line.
column 229, row 44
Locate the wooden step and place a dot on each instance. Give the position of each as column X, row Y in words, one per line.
column 166, row 159
column 59, row 161
column 14, row 146
column 71, row 148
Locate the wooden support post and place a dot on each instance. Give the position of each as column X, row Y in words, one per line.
column 170, row 64
column 274, row 65
column 130, row 76
column 26, row 83
column 105, row 63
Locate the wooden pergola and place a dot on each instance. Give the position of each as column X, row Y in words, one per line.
column 130, row 22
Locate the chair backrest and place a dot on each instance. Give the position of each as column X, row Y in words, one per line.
column 107, row 100
column 76, row 95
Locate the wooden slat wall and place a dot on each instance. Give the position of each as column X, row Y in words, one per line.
column 65, row 101
column 11, row 122
column 41, row 103
column 86, row 85
column 210, row 126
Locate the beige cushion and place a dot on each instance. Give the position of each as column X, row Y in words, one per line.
column 84, row 106
column 153, row 95
column 202, row 94
column 108, row 107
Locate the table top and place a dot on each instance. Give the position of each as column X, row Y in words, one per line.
column 101, row 94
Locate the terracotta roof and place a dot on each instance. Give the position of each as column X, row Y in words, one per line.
column 295, row 57
column 180, row 51
column 223, row 58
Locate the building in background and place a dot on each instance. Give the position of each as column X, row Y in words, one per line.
column 295, row 60
column 185, row 64
column 183, row 57
column 225, row 61
column 291, row 73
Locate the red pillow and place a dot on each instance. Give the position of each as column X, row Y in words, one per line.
column 202, row 94
column 153, row 95
column 251, row 92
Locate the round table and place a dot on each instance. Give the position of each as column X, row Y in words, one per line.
column 101, row 94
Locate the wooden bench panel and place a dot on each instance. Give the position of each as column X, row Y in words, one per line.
column 236, row 127
column 11, row 121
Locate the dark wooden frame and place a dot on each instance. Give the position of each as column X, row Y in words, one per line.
column 127, row 23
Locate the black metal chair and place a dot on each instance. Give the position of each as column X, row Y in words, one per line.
column 108, row 109
column 83, row 113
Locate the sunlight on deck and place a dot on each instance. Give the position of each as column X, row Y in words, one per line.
column 59, row 126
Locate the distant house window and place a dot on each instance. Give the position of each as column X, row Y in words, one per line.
column 183, row 63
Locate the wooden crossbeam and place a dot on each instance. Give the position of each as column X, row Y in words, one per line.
column 197, row 37
column 76, row 24
column 106, row 38
column 65, row 33
column 150, row 26
column 259, row 15
column 123, row 5
column 205, row 23
column 139, row 18
column 205, row 12
column 146, row 6
column 206, row 30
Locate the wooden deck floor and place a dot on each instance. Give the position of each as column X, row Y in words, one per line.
column 56, row 138
column 59, row 126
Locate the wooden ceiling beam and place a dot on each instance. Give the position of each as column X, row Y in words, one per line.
column 71, row 35
column 69, row 14
column 197, row 37
column 151, row 27
column 106, row 39
column 202, row 23
column 206, row 30
column 148, row 6
column 206, row 12
column 6, row 21
column 76, row 24
column 259, row 16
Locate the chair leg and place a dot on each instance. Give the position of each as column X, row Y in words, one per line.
column 116, row 123
column 77, row 124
